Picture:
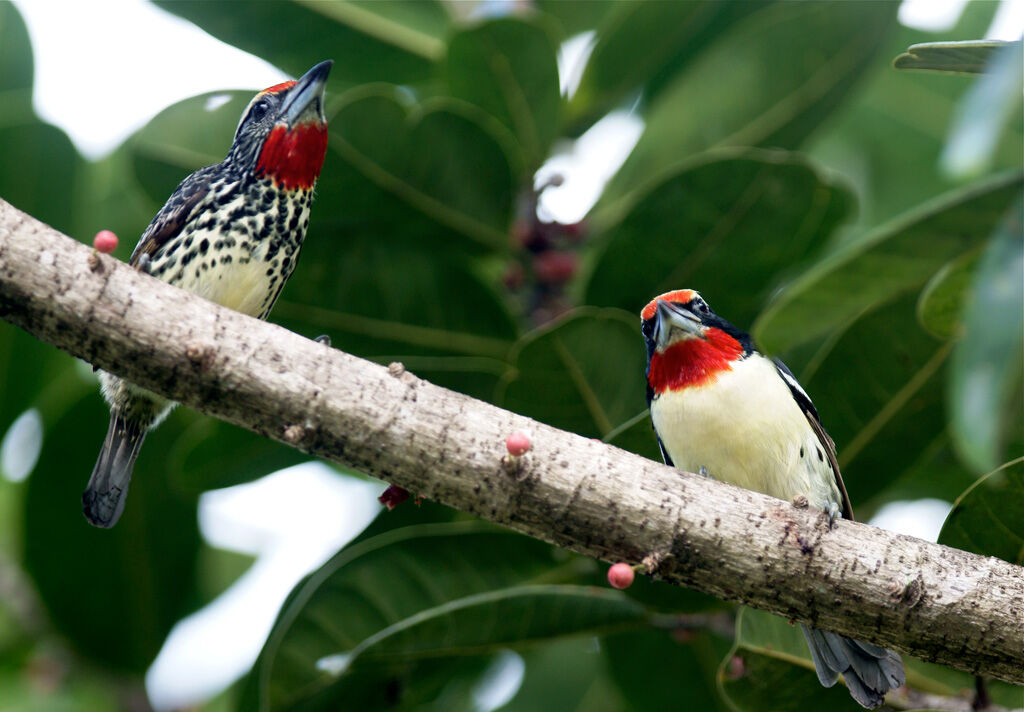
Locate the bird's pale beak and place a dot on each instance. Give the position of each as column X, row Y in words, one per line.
column 672, row 317
column 305, row 100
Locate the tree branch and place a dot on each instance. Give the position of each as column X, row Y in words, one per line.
column 937, row 603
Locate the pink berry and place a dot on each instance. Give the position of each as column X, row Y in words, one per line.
column 393, row 496
column 552, row 267
column 518, row 444
column 736, row 668
column 105, row 241
column 621, row 575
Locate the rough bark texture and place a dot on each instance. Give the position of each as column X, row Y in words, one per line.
column 937, row 603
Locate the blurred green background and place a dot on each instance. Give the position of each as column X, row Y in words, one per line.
column 864, row 221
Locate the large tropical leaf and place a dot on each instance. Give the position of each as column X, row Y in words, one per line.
column 689, row 659
column 419, row 593
column 395, row 41
column 890, row 140
column 759, row 96
column 115, row 594
column 878, row 385
column 585, row 373
column 689, row 228
column 507, row 67
column 39, row 166
column 988, row 518
column 445, row 163
column 884, row 263
column 987, row 368
column 568, row 674
column 769, row 667
column 984, row 113
column 644, row 45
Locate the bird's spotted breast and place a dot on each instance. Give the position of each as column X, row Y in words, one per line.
column 240, row 252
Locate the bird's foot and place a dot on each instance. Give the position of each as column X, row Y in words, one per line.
column 143, row 265
column 703, row 472
column 323, row 339
column 833, row 511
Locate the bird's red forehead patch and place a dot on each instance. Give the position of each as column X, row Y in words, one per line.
column 293, row 159
column 278, row 87
column 679, row 296
column 693, row 362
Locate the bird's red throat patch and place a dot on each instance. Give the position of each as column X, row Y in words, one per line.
column 293, row 159
column 693, row 362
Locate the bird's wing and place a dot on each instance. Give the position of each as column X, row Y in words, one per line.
column 173, row 215
column 811, row 413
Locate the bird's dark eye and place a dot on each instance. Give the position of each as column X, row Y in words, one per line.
column 259, row 110
column 701, row 306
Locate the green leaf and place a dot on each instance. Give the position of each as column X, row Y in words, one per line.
column 987, row 368
column 772, row 207
column 15, row 55
column 182, row 138
column 584, row 373
column 934, row 472
column 210, row 453
column 888, row 141
column 392, row 301
column 35, row 374
column 884, row 263
column 941, row 302
column 109, row 197
column 517, row 615
column 769, row 667
column 443, row 161
column 636, row 435
column 422, row 591
column 643, row 662
column 577, row 17
column 395, row 41
column 984, row 112
column 879, row 388
column 643, row 45
column 507, row 67
column 114, row 594
column 777, row 74
column 39, row 171
column 963, row 57
column 988, row 518
column 74, row 691
column 947, row 682
column 566, row 674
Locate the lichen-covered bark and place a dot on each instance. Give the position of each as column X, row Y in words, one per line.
column 937, row 603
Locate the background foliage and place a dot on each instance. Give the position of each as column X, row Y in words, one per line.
column 786, row 170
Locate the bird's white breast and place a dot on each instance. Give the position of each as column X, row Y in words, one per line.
column 745, row 428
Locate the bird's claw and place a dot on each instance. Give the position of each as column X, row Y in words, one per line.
column 143, row 265
column 323, row 339
column 833, row 511
column 703, row 472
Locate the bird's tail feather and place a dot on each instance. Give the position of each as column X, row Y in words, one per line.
column 104, row 496
column 869, row 671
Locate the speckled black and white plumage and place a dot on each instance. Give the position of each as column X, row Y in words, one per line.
column 239, row 243
column 230, row 233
